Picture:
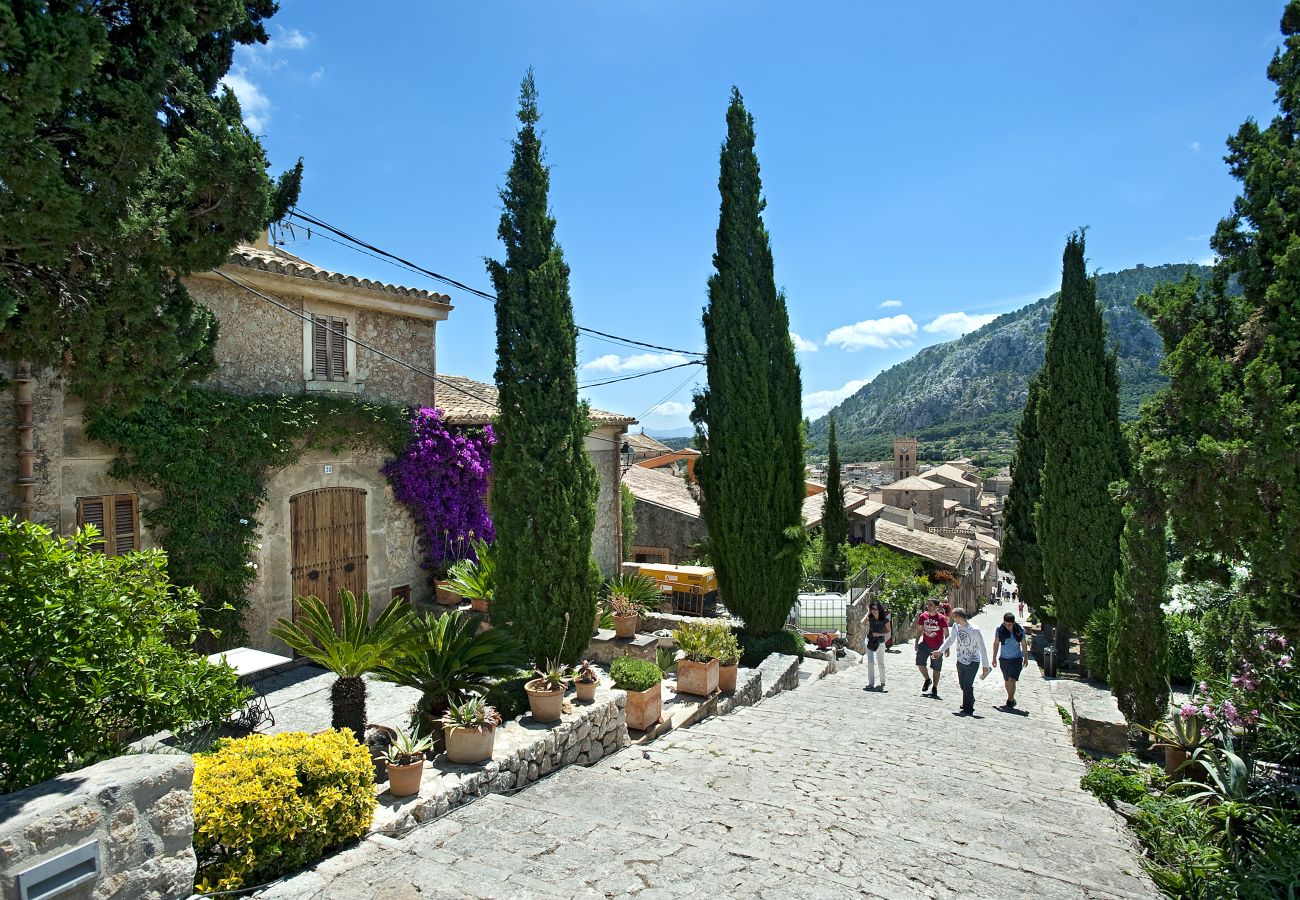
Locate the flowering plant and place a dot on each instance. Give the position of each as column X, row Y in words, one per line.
column 442, row 478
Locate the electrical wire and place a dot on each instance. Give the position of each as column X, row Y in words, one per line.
column 591, row 384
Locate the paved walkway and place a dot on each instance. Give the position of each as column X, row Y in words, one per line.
column 822, row 792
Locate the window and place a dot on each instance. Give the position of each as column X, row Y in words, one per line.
column 402, row 592
column 329, row 353
column 117, row 516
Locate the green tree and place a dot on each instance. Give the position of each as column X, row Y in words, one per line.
column 1077, row 523
column 126, row 167
column 748, row 420
column 628, row 508
column 544, row 490
column 835, row 521
column 1139, row 640
column 1020, row 551
column 1223, row 445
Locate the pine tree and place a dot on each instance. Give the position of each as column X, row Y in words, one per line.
column 1222, row 441
column 1077, row 523
column 748, row 420
column 1020, row 551
column 544, row 489
column 835, row 521
column 1139, row 640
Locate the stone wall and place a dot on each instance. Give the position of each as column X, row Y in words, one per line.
column 138, row 808
column 606, row 541
column 47, row 440
column 658, row 526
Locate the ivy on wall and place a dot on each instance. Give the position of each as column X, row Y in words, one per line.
column 208, row 454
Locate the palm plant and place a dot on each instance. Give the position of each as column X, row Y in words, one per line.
column 350, row 650
column 451, row 659
column 474, row 579
column 636, row 588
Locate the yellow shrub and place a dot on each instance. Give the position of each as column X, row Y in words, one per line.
column 269, row 804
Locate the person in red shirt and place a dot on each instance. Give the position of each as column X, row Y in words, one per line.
column 931, row 630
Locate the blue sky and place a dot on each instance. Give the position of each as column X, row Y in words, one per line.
column 923, row 163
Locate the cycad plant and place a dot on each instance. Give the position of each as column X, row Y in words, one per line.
column 350, row 650
column 451, row 659
column 474, row 579
column 635, row 587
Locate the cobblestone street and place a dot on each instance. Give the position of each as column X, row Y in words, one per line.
column 826, row 791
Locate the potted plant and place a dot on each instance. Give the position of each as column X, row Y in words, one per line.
column 626, row 613
column 727, row 649
column 641, row 679
column 470, row 729
column 697, row 670
column 443, row 594
column 546, row 692
column 1180, row 736
column 475, row 579
column 585, row 680
column 405, row 762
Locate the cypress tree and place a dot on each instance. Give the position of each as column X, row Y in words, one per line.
column 1077, row 523
column 748, row 419
column 835, row 521
column 544, row 489
column 1020, row 551
column 1139, row 640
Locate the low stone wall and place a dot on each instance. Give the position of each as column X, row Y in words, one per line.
column 604, row 648
column 669, row 621
column 137, row 808
column 855, row 622
column 779, row 673
column 524, row 752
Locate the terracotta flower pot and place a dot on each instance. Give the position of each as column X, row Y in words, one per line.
column 625, row 626
column 645, row 708
column 586, row 692
column 443, row 596
column 479, row 605
column 727, row 677
column 403, row 781
column 469, row 745
column 546, row 706
column 698, row 678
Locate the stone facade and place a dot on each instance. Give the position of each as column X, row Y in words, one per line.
column 661, row 528
column 138, row 808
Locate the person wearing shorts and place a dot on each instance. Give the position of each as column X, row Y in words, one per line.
column 931, row 629
column 1010, row 649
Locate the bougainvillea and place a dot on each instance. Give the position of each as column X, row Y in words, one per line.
column 442, row 478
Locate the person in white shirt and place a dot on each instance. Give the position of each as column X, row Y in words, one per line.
column 971, row 655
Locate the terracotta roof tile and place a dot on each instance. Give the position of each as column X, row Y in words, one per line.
column 945, row 551
column 469, row 402
column 661, row 487
column 282, row 262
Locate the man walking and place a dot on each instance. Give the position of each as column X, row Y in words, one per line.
column 971, row 655
column 931, row 629
column 1010, row 649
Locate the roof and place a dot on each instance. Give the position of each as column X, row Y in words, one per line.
column 469, row 402
column 661, row 487
column 868, row 509
column 951, row 504
column 815, row 506
column 280, row 262
column 954, row 475
column 945, row 551
column 914, row 483
column 895, row 514
column 643, row 443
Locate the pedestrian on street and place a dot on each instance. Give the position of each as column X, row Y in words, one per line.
column 878, row 632
column 1010, row 649
column 931, row 629
column 971, row 656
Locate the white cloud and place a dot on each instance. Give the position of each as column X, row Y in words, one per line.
column 1194, row 146
column 891, row 332
column 612, row 362
column 289, row 39
column 254, row 104
column 318, row 75
column 888, row 303
column 255, row 60
column 672, row 409
column 819, row 403
column 955, row 324
column 803, row 345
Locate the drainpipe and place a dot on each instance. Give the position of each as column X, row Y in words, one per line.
column 26, row 480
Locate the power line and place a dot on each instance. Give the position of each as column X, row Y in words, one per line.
column 460, row 285
column 591, row 384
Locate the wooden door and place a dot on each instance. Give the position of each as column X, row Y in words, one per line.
column 328, row 528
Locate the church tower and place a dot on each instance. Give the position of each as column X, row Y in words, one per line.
column 904, row 458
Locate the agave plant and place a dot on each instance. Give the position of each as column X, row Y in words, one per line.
column 472, row 713
column 406, row 748
column 350, row 650
column 451, row 659
column 586, row 673
column 552, row 676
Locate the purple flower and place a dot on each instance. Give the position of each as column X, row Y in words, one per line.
column 1244, row 682
column 1187, row 711
column 1252, row 717
column 1208, row 712
column 1284, row 661
column 1229, row 712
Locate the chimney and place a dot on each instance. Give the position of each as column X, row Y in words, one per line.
column 911, row 517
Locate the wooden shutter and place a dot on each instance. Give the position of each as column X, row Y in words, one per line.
column 320, row 357
column 329, row 348
column 126, row 537
column 338, row 349
column 90, row 511
column 117, row 517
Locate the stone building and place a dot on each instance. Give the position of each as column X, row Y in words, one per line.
column 928, row 497
column 668, row 520
column 330, row 520
column 904, row 458
column 958, row 484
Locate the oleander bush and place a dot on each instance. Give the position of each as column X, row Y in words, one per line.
column 634, row 674
column 268, row 804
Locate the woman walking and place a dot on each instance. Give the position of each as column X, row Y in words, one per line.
column 878, row 632
column 971, row 655
column 1010, row 649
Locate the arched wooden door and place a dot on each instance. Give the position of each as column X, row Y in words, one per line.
column 328, row 528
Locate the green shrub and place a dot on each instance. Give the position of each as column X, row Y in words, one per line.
column 1124, row 779
column 634, row 674
column 1225, row 635
column 1096, row 637
column 507, row 695
column 95, row 653
column 756, row 648
column 1182, row 629
column 269, row 804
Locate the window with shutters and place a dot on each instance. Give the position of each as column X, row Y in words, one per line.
column 329, row 348
column 117, row 516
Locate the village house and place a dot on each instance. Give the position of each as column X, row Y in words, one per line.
column 924, row 496
column 330, row 520
column 958, row 484
column 669, row 525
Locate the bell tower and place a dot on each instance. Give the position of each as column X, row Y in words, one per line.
column 904, row 458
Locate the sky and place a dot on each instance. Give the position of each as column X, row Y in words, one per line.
column 923, row 164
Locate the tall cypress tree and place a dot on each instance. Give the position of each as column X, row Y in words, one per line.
column 1077, row 522
column 1139, row 640
column 835, row 521
column 748, row 420
column 544, row 489
column 1020, row 551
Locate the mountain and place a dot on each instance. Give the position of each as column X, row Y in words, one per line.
column 967, row 395
column 659, row 434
